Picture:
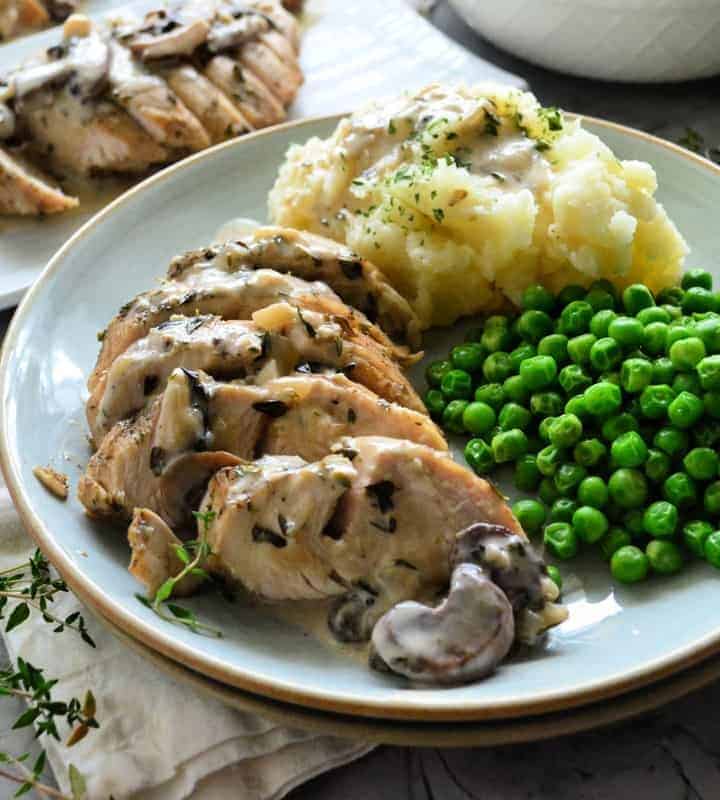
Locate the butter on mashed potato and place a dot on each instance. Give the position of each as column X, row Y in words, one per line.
column 465, row 196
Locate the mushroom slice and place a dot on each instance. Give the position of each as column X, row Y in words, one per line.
column 518, row 569
column 155, row 557
column 461, row 640
column 237, row 32
column 179, row 41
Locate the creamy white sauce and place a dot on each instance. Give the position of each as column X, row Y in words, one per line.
column 235, row 228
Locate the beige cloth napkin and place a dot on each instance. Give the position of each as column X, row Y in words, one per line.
column 158, row 739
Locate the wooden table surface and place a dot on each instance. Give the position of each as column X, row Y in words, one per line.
column 672, row 754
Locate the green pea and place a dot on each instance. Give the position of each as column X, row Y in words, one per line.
column 513, row 415
column 712, row 549
column 685, row 410
column 687, row 353
column 676, row 333
column 545, row 404
column 569, row 294
column 606, row 285
column 655, row 401
column 549, row 459
column 573, row 379
column 530, row 514
column 664, row 557
column 663, row 371
column 456, row 385
column 711, row 498
column 492, row 394
column 515, row 389
column 496, row 340
column 636, row 297
column 537, row 298
column 680, row 489
column 709, row 331
column 560, row 540
column 709, row 371
column 695, row 534
column 655, row 337
column 600, row 299
column 605, row 354
column 701, row 463
column 672, row 295
column 568, row 477
column 544, row 428
column 478, row 418
column 579, row 348
column 657, row 466
column 468, row 357
column 629, row 564
column 686, row 382
column 479, row 456
column 435, row 403
column 576, row 405
column 600, row 323
column 628, row 488
column 589, row 524
column 565, row 430
column 633, row 523
column 436, row 371
column 538, row 372
column 452, row 418
column 562, row 510
column 613, row 540
column 547, row 491
column 497, row 366
column 575, row 318
column 527, row 474
column 554, row 574
column 589, row 452
column 555, row 346
column 711, row 402
column 509, row 445
column 603, row 398
column 627, row 330
column 697, row 300
column 635, row 375
column 697, row 277
column 629, row 450
column 593, row 492
column 660, row 519
column 519, row 354
column 653, row 314
column 672, row 441
column 533, row 324
column 615, row 426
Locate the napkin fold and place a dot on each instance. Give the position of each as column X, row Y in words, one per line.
column 158, row 739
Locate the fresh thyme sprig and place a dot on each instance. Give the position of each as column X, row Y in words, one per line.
column 192, row 554
column 33, row 585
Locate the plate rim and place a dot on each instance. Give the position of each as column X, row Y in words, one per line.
column 233, row 675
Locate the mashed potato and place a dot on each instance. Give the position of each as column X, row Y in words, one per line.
column 463, row 197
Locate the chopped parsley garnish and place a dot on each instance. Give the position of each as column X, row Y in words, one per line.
column 439, row 214
column 392, row 130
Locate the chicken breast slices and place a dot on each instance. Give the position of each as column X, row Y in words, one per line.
column 280, row 339
column 153, row 460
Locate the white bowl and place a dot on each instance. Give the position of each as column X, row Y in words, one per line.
column 618, row 40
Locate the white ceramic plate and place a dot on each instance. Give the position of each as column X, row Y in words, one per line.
column 615, row 638
column 350, row 53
